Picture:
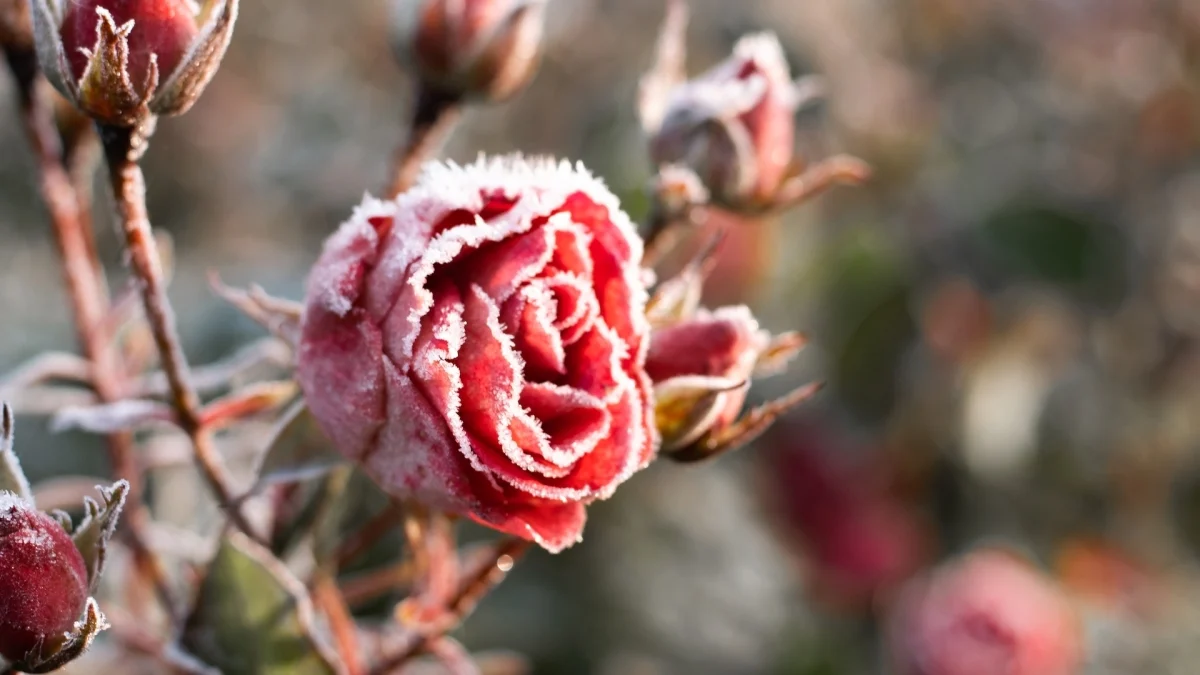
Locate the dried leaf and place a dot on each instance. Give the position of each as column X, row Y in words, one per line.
column 12, row 478
column 247, row 401
column 97, row 527
column 253, row 617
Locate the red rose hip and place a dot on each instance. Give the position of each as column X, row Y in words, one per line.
column 43, row 580
column 164, row 28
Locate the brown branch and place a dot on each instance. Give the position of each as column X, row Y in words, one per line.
column 435, row 116
column 122, row 149
column 472, row 588
column 328, row 597
column 89, row 300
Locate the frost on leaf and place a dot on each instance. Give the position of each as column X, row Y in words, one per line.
column 97, row 527
column 12, row 478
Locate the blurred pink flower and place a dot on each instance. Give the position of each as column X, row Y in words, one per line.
column 478, row 345
column 860, row 540
column 990, row 613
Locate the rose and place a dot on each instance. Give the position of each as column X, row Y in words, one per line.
column 43, row 581
column 989, row 613
column 478, row 345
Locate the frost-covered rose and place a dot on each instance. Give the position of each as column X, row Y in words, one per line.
column 478, row 345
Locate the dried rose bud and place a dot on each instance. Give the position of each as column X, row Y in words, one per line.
column 701, row 366
column 43, row 581
column 124, row 60
column 990, row 613
column 478, row 345
column 475, row 49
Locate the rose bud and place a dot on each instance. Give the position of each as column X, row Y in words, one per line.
column 121, row 61
column 734, row 126
column 43, row 582
column 470, row 49
column 478, row 345
column 701, row 367
column 988, row 613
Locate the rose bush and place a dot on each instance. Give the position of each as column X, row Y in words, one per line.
column 479, row 343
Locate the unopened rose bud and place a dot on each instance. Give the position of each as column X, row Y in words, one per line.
column 470, row 49
column 990, row 613
column 43, row 582
column 734, row 126
column 124, row 60
column 163, row 31
column 701, row 367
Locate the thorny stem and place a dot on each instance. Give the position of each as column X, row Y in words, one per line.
column 471, row 589
column 88, row 298
column 122, row 149
column 435, row 117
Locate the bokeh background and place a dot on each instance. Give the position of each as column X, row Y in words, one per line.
column 1007, row 315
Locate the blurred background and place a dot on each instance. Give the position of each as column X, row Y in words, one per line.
column 1006, row 316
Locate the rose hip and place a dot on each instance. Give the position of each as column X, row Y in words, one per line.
column 43, row 580
column 163, row 28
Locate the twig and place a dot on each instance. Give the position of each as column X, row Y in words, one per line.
column 328, row 597
column 435, row 117
column 88, row 297
column 122, row 148
column 360, row 589
column 471, row 589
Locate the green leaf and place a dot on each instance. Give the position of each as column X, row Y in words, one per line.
column 253, row 617
column 12, row 478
